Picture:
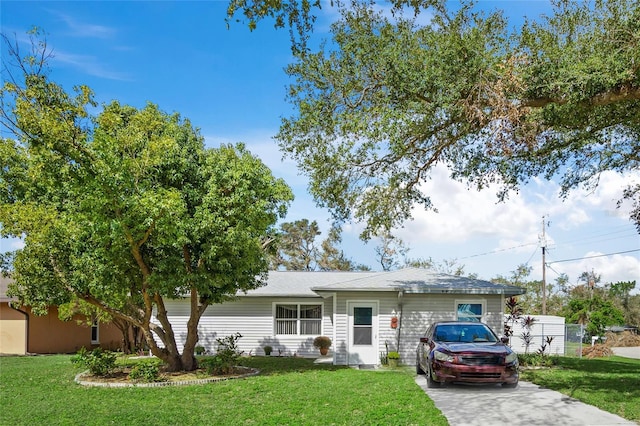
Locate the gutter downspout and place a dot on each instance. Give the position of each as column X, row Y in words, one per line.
column 333, row 319
column 398, row 334
column 26, row 329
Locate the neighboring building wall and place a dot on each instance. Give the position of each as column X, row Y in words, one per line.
column 13, row 331
column 253, row 318
column 544, row 325
column 49, row 335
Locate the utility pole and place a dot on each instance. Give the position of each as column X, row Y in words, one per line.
column 543, row 243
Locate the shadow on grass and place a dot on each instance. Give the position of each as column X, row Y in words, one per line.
column 614, row 379
column 613, row 365
column 282, row 365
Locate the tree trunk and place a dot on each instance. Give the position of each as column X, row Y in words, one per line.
column 169, row 353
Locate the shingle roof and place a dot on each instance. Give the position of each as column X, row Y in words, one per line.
column 300, row 283
column 409, row 280
column 416, row 280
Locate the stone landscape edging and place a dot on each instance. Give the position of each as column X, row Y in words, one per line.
column 78, row 380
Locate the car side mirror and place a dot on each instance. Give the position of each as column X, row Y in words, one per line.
column 504, row 339
column 424, row 340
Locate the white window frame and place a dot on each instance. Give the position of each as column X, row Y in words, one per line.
column 481, row 302
column 298, row 319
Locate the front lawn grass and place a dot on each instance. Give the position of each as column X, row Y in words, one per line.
column 611, row 384
column 289, row 391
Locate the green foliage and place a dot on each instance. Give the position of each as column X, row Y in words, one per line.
column 393, row 355
column 388, row 99
column 537, row 360
column 128, row 207
column 296, row 249
column 595, row 312
column 145, row 371
column 99, row 362
column 296, row 246
column 267, row 350
column 226, row 357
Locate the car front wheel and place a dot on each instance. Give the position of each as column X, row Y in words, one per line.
column 431, row 383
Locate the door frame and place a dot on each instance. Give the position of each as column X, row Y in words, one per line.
column 371, row 355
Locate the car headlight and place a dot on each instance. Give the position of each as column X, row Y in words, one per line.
column 511, row 358
column 441, row 356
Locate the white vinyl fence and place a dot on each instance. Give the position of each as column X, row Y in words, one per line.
column 567, row 340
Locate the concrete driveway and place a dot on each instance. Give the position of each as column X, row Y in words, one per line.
column 527, row 404
column 632, row 352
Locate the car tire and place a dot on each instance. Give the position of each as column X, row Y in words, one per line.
column 510, row 385
column 431, row 383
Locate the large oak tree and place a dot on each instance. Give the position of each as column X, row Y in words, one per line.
column 386, row 99
column 127, row 208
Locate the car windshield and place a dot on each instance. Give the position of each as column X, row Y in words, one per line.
column 466, row 333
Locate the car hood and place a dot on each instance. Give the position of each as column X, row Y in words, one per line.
column 493, row 348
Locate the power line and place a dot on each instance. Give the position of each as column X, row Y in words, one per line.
column 497, row 251
column 592, row 257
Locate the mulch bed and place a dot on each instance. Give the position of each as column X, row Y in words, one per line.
column 120, row 378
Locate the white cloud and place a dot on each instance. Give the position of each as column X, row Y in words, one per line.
column 83, row 29
column 614, row 268
column 464, row 213
column 90, row 65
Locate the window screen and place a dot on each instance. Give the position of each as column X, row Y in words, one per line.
column 298, row 319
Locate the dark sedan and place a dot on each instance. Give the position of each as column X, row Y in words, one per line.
column 465, row 352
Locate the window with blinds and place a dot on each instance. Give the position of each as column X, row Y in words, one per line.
column 298, row 319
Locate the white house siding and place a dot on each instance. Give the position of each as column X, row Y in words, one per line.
column 253, row 318
column 421, row 310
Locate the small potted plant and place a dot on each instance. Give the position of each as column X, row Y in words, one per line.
column 323, row 343
column 394, row 358
column 267, row 350
column 199, row 350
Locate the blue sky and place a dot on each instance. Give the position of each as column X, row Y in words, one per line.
column 230, row 82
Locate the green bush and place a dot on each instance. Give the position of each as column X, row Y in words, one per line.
column 98, row 361
column 226, row 357
column 393, row 355
column 536, row 360
column 145, row 371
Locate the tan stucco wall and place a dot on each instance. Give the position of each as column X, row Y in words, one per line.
column 47, row 334
column 13, row 331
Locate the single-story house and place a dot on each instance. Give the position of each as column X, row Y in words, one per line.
column 365, row 314
column 22, row 332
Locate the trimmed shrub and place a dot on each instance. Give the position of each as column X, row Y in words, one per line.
column 145, row 371
column 98, row 361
